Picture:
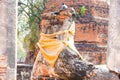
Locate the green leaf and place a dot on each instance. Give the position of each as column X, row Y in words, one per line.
column 83, row 10
column 29, row 12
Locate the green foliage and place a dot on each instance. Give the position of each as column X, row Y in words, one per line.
column 83, row 10
column 29, row 12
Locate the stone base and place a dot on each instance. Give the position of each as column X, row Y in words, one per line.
column 102, row 73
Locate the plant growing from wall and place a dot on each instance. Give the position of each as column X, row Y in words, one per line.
column 83, row 10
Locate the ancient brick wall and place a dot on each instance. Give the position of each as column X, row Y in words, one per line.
column 91, row 29
column 3, row 67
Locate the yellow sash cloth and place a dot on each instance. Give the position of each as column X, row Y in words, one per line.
column 50, row 48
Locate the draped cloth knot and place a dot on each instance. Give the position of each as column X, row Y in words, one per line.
column 50, row 47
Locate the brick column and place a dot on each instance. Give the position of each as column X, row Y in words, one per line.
column 7, row 39
column 113, row 56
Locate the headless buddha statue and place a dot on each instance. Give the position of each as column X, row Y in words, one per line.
column 57, row 55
